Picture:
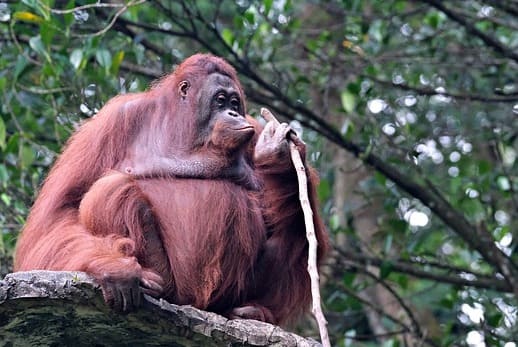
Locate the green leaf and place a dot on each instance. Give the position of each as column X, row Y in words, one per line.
column 385, row 269
column 76, row 58
column 36, row 44
column 19, row 68
column 376, row 30
column 13, row 143
column 348, row 101
column 2, row 134
column 29, row 17
column 397, row 225
column 228, row 36
column 391, row 343
column 432, row 20
column 27, row 156
column 348, row 129
column 354, row 88
column 334, row 222
column 484, row 167
column 380, row 178
column 400, row 6
column 267, row 6
column 388, row 244
column 448, row 301
column 40, row 7
column 2, row 245
column 250, row 17
column 69, row 17
column 324, row 190
column 503, row 183
column 116, row 62
column 348, row 279
column 238, row 22
column 402, row 280
column 4, row 176
column 104, row 58
column 47, row 32
column 372, row 70
column 500, row 232
column 495, row 319
column 6, row 199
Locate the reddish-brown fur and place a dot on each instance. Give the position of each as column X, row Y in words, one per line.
column 213, row 243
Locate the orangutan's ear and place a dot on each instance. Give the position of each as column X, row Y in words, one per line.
column 183, row 87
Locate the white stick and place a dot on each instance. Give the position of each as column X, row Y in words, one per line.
column 310, row 234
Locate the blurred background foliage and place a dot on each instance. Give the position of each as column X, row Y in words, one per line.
column 409, row 108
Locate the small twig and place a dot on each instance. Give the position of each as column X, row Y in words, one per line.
column 79, row 8
column 310, row 230
column 121, row 9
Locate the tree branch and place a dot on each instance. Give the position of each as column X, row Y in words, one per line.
column 509, row 7
column 398, row 265
column 414, row 328
column 310, row 230
column 487, row 39
column 459, row 96
column 66, row 308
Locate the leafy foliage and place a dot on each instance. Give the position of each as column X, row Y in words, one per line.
column 422, row 95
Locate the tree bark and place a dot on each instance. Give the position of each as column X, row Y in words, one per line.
column 44, row 308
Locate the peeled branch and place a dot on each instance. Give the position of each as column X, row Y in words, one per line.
column 310, row 230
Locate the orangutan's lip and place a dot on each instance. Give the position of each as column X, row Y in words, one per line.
column 244, row 128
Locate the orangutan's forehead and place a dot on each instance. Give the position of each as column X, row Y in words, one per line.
column 222, row 80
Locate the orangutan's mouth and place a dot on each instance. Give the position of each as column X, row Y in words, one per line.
column 244, row 128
